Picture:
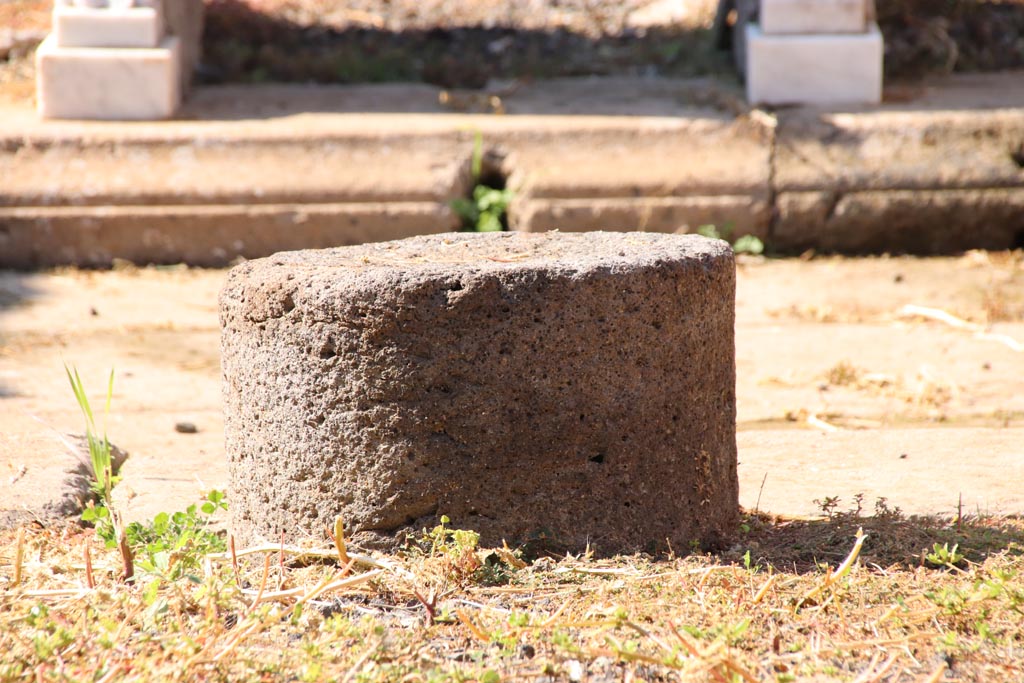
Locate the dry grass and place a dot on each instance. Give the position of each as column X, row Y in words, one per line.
column 995, row 294
column 925, row 389
column 17, row 80
column 772, row 608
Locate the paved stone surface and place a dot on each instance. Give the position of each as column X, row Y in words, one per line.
column 572, row 390
column 158, row 331
column 898, row 148
column 949, row 400
column 60, row 474
column 978, row 469
column 205, row 235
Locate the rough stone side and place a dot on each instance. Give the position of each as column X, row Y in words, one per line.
column 566, row 389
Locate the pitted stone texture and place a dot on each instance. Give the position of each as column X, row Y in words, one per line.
column 570, row 389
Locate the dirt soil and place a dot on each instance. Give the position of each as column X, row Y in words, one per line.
column 840, row 393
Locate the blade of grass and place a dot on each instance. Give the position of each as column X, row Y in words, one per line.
column 19, row 556
column 478, row 156
column 83, row 401
column 110, row 394
column 99, row 450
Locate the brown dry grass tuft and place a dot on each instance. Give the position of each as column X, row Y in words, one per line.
column 772, row 608
column 924, row 391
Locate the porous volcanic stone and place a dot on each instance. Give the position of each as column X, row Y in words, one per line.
column 567, row 389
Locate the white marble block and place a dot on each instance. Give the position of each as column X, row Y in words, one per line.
column 108, row 27
column 108, row 83
column 813, row 16
column 814, row 69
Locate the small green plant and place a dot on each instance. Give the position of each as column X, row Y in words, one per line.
column 173, row 544
column 170, row 545
column 1003, row 582
column 745, row 244
column 749, row 564
column 485, row 211
column 100, row 452
column 944, row 556
column 464, row 561
column 950, row 599
column 104, row 516
column 444, row 540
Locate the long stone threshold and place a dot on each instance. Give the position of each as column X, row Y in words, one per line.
column 246, row 171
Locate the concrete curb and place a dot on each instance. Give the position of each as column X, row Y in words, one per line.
column 249, row 171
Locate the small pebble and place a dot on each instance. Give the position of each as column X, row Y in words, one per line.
column 185, row 428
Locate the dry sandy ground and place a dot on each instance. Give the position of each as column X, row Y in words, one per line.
column 839, row 394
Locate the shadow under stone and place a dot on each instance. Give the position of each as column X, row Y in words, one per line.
column 893, row 539
column 15, row 290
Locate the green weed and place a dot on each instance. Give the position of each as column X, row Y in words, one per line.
column 486, row 210
column 101, row 459
column 100, row 456
column 460, row 559
column 944, row 556
column 745, row 244
column 171, row 545
column 443, row 540
column 168, row 547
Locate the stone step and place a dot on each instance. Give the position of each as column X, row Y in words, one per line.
column 40, row 237
column 924, row 176
column 738, row 214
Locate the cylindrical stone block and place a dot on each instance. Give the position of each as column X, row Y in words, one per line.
column 564, row 389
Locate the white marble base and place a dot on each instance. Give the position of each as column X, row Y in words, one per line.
column 84, row 27
column 108, row 83
column 814, row 69
column 813, row 16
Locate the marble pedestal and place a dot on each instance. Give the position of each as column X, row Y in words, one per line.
column 824, row 69
column 108, row 83
column 141, row 27
column 813, row 16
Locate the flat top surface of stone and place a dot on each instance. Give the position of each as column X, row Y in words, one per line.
column 509, row 250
